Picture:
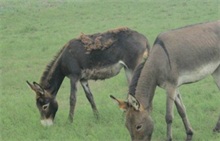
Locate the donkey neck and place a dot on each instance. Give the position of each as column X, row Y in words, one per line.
column 53, row 77
column 146, row 86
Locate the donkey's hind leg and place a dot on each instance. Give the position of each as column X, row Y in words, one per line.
column 182, row 112
column 217, row 127
column 216, row 76
column 128, row 73
column 89, row 96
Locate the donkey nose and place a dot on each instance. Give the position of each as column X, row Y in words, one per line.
column 47, row 122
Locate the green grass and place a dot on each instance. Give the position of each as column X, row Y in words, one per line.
column 31, row 32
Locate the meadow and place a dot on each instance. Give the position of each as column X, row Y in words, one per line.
column 33, row 31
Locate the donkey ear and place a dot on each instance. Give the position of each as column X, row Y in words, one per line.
column 30, row 85
column 134, row 102
column 122, row 104
column 39, row 88
column 36, row 87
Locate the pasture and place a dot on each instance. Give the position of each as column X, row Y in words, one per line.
column 33, row 31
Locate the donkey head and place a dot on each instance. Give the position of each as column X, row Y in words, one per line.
column 46, row 104
column 138, row 120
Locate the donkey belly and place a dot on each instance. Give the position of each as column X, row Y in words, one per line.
column 102, row 72
column 197, row 74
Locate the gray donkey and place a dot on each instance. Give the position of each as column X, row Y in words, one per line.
column 178, row 57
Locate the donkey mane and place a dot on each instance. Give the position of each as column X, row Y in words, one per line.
column 136, row 76
column 100, row 41
column 49, row 68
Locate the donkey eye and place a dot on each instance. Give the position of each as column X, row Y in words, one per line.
column 44, row 107
column 138, row 127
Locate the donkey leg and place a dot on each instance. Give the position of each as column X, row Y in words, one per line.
column 182, row 112
column 128, row 73
column 217, row 127
column 73, row 82
column 169, row 111
column 89, row 96
column 216, row 76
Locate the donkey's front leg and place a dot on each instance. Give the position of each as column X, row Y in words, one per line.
column 128, row 73
column 89, row 96
column 216, row 76
column 169, row 111
column 73, row 82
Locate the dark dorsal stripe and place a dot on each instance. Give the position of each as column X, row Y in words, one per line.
column 161, row 43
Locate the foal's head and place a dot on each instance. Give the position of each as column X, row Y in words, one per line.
column 138, row 120
column 46, row 104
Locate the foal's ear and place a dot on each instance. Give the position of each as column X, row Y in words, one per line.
column 122, row 104
column 134, row 102
column 36, row 87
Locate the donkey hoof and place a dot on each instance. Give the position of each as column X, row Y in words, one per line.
column 217, row 127
column 216, row 130
column 96, row 114
column 189, row 135
column 70, row 119
column 189, row 138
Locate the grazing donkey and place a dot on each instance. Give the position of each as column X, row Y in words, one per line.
column 178, row 57
column 97, row 56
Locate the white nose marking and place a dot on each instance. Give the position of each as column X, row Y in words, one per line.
column 47, row 122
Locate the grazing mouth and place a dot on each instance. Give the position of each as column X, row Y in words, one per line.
column 47, row 122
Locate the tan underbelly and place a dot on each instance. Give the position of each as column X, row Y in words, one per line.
column 198, row 74
column 102, row 72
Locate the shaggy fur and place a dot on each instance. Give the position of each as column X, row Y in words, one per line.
column 101, row 41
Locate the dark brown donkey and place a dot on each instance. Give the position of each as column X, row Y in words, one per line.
column 178, row 57
column 97, row 56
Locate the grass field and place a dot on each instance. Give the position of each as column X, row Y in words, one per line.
column 31, row 32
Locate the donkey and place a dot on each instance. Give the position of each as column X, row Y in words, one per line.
column 178, row 57
column 90, row 57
